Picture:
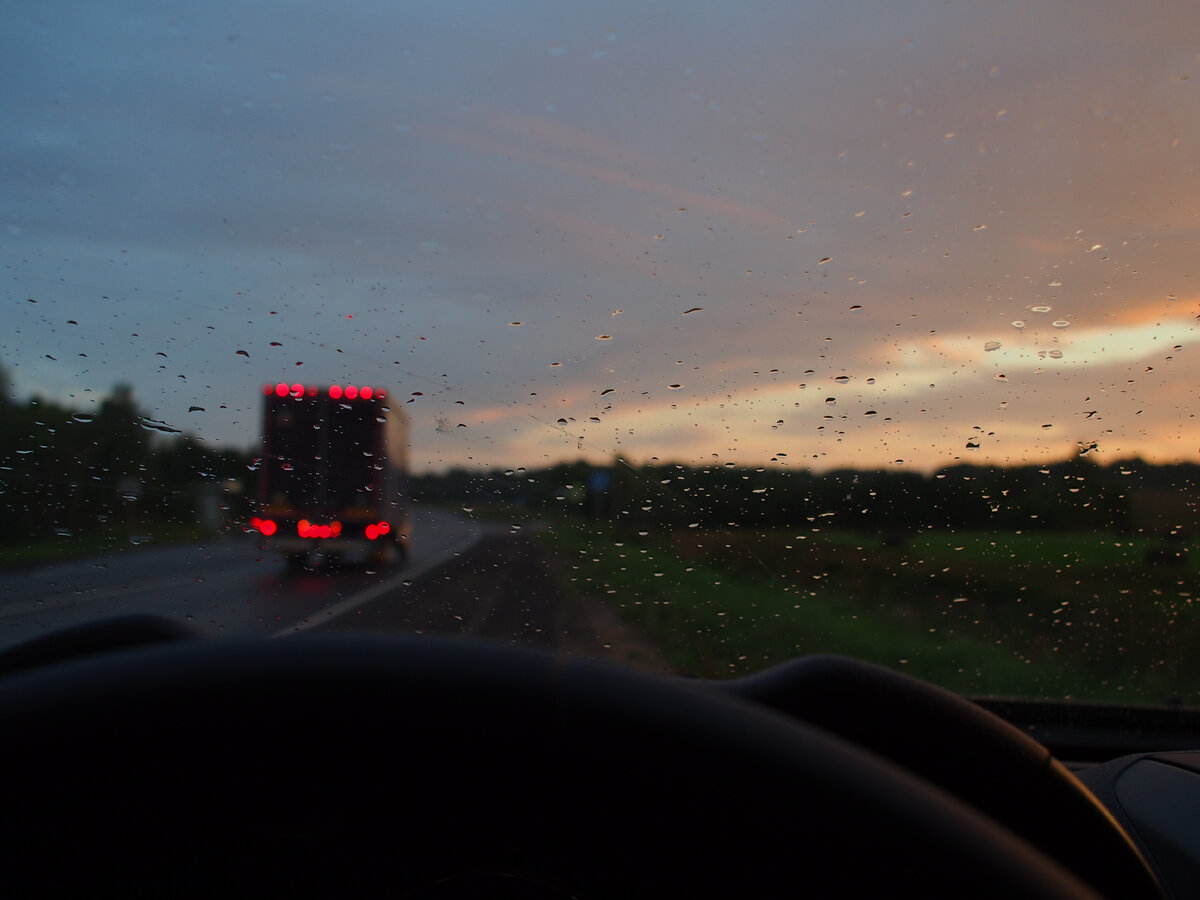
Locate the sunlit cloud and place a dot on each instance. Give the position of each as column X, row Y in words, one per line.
column 956, row 239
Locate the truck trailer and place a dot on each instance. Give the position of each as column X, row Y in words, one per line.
column 332, row 480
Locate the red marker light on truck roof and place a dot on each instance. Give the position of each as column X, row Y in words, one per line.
column 351, row 392
column 336, row 392
column 366, row 393
column 281, row 390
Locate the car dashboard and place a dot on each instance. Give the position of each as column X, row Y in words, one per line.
column 157, row 762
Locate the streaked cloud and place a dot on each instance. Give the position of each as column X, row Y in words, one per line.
column 379, row 194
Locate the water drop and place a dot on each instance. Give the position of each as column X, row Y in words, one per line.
column 1060, row 323
column 990, row 346
column 1040, row 309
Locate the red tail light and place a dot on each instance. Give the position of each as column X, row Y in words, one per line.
column 307, row 529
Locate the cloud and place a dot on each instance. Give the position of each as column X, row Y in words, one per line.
column 380, row 192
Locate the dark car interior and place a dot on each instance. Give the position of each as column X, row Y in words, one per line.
column 165, row 763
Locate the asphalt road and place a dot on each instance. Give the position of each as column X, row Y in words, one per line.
column 224, row 586
column 464, row 578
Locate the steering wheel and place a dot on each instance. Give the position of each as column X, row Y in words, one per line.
column 432, row 767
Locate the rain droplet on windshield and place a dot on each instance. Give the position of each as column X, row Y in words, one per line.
column 989, row 346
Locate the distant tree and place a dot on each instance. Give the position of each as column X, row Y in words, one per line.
column 5, row 388
column 122, row 443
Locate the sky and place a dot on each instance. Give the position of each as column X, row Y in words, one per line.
column 806, row 234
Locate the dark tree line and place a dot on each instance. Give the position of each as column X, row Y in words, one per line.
column 114, row 470
column 1073, row 495
column 64, row 472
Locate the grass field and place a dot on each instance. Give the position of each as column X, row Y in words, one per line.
column 1035, row 615
column 23, row 555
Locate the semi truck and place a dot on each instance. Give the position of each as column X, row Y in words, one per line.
column 332, row 479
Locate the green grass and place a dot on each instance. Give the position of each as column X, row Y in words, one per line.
column 1036, row 615
column 37, row 553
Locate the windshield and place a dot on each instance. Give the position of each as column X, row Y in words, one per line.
column 693, row 337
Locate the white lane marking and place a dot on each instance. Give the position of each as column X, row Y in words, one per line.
column 354, row 602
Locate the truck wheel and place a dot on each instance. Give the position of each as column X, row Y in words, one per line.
column 390, row 553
